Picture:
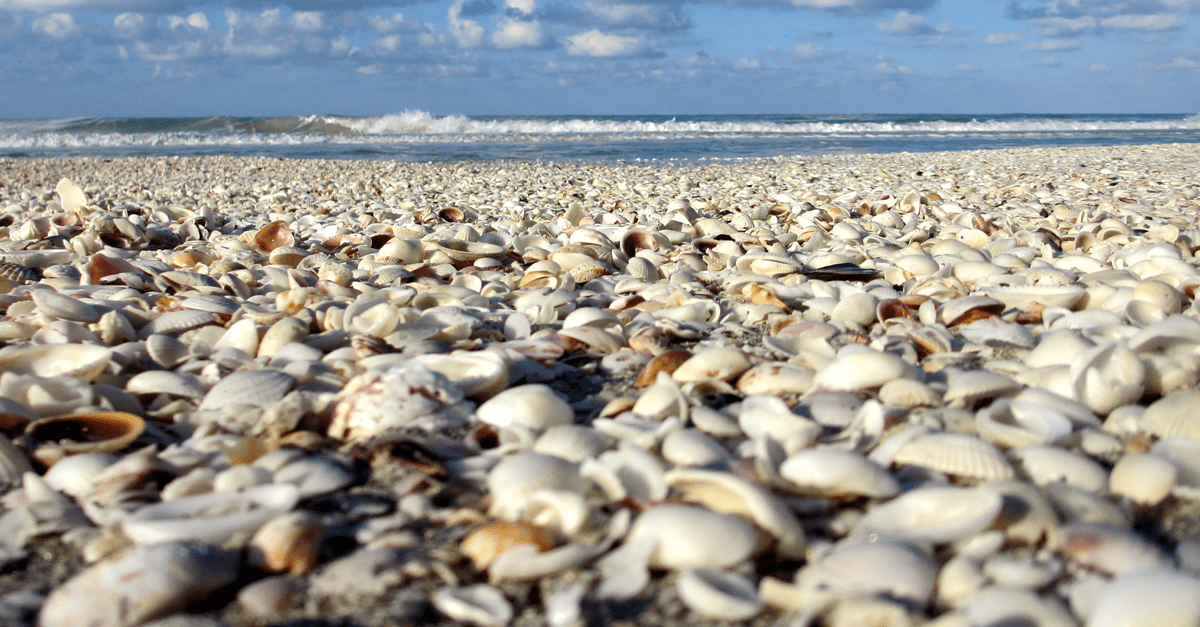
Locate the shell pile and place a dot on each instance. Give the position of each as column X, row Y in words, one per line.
column 954, row 389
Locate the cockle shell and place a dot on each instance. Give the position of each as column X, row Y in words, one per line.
column 254, row 388
column 956, row 454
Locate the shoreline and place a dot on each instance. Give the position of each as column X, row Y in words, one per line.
column 687, row 333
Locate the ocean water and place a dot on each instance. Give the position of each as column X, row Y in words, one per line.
column 421, row 136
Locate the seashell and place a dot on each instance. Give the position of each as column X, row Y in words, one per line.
column 515, row 478
column 405, row 250
column 141, row 584
column 479, row 374
column 480, row 604
column 1147, row 598
column 1176, row 414
column 314, row 475
column 176, row 322
column 1011, row 423
column 688, row 536
column 995, row 331
column 954, row 454
column 13, row 465
column 289, row 256
column 59, row 306
column 211, row 303
column 970, row 309
column 642, row 268
column 635, row 240
column 908, row 394
column 724, row 492
column 83, row 361
column 71, row 196
column 692, row 448
column 469, row 252
column 722, row 363
column 1047, row 464
column 1108, row 549
column 75, row 475
column 572, row 442
column 837, row 473
column 1002, row 606
column 772, row 378
column 274, row 235
column 287, row 543
column 210, row 517
column 938, row 514
column 1022, row 296
column 17, row 273
column 965, row 389
column 483, row 545
column 97, row 432
column 254, row 388
column 532, row 405
column 719, row 594
column 768, row 264
column 859, row 369
column 1107, row 376
column 1143, row 478
column 185, row 384
column 875, row 568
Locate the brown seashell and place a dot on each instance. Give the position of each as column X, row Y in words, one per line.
column 99, row 266
column 970, row 309
column 289, row 542
column 97, row 432
column 17, row 272
column 667, row 362
column 450, row 214
column 488, row 542
column 1031, row 313
column 273, row 236
column 640, row 239
column 890, row 308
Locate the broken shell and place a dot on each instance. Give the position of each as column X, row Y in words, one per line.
column 84, row 361
column 480, row 604
column 719, row 594
column 287, row 543
column 488, row 542
column 96, row 432
column 210, row 517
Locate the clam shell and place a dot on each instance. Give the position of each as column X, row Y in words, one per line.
column 100, row 432
column 719, row 594
column 176, row 322
column 165, row 382
column 63, row 307
column 480, row 374
column 834, row 472
column 687, row 536
column 889, row 568
column 955, row 454
column 274, row 235
column 84, row 361
column 469, row 252
column 728, row 493
column 532, row 405
column 480, row 604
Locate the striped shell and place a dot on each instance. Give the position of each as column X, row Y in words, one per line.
column 17, row 272
column 248, row 387
column 955, row 454
column 469, row 252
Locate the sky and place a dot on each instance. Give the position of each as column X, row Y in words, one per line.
column 183, row 58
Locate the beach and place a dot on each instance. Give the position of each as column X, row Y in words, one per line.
column 955, row 388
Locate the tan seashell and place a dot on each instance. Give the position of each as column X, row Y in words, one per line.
column 103, row 432
column 968, row 309
column 469, row 252
column 723, row 364
column 488, row 542
column 289, row 256
column 272, row 236
column 668, row 361
column 287, row 543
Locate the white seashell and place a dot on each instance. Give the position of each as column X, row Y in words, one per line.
column 882, row 567
column 62, row 307
column 165, row 382
column 315, row 475
column 1009, row 423
column 933, row 514
column 693, row 448
column 176, row 322
column 480, row 604
column 955, row 454
column 860, row 369
column 71, row 196
column 1143, row 478
column 141, row 584
column 480, row 375
column 83, row 361
column 1047, row 464
column 967, row 388
column 722, row 364
column 405, row 396
column 1108, row 549
column 515, row 478
column 834, row 472
column 572, row 442
column 1107, row 376
column 1000, row 606
column 167, row 351
column 1149, row 598
column 255, row 388
column 725, row 492
column 767, row 416
column 687, row 536
column 210, row 517
column 719, row 594
column 1020, row 296
column 773, row 378
column 995, row 331
column 1176, row 414
column 533, row 405
column 908, row 394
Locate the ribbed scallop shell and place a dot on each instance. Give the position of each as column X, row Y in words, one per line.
column 17, row 272
column 248, row 387
column 955, row 454
column 213, row 303
column 290, row 256
column 165, row 350
column 174, row 322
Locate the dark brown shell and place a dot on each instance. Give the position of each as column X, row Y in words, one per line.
column 51, row 439
column 273, row 236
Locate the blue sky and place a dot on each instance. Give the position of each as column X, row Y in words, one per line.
column 67, row 58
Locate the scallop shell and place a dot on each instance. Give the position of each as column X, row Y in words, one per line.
column 63, row 307
column 1176, row 414
column 17, row 272
column 175, row 322
column 102, row 432
column 955, row 454
column 255, row 388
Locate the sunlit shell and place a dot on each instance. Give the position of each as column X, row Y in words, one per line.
column 881, row 567
column 210, row 517
column 274, row 235
column 833, row 472
column 483, row 545
column 937, row 514
column 479, row 374
column 955, row 454
column 470, row 252
column 532, row 405
column 1108, row 548
column 718, row 594
column 687, row 536
column 725, row 492
column 85, row 361
column 254, row 388
column 714, row 363
column 1174, row 415
column 1148, row 599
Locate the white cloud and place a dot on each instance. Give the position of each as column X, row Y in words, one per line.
column 1183, row 63
column 370, row 70
column 997, row 39
column 1055, row 44
column 467, row 33
column 905, row 23
column 661, row 15
column 747, row 64
column 524, row 6
column 1056, row 26
column 512, row 33
column 809, row 50
column 197, row 21
column 594, row 43
column 966, row 67
column 57, row 26
column 1166, row 21
column 884, row 67
column 1098, row 67
column 1050, row 61
column 308, row 21
column 130, row 25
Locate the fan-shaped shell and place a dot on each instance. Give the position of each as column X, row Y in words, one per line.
column 955, row 454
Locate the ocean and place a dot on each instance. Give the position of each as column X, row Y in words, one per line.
column 420, row 136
